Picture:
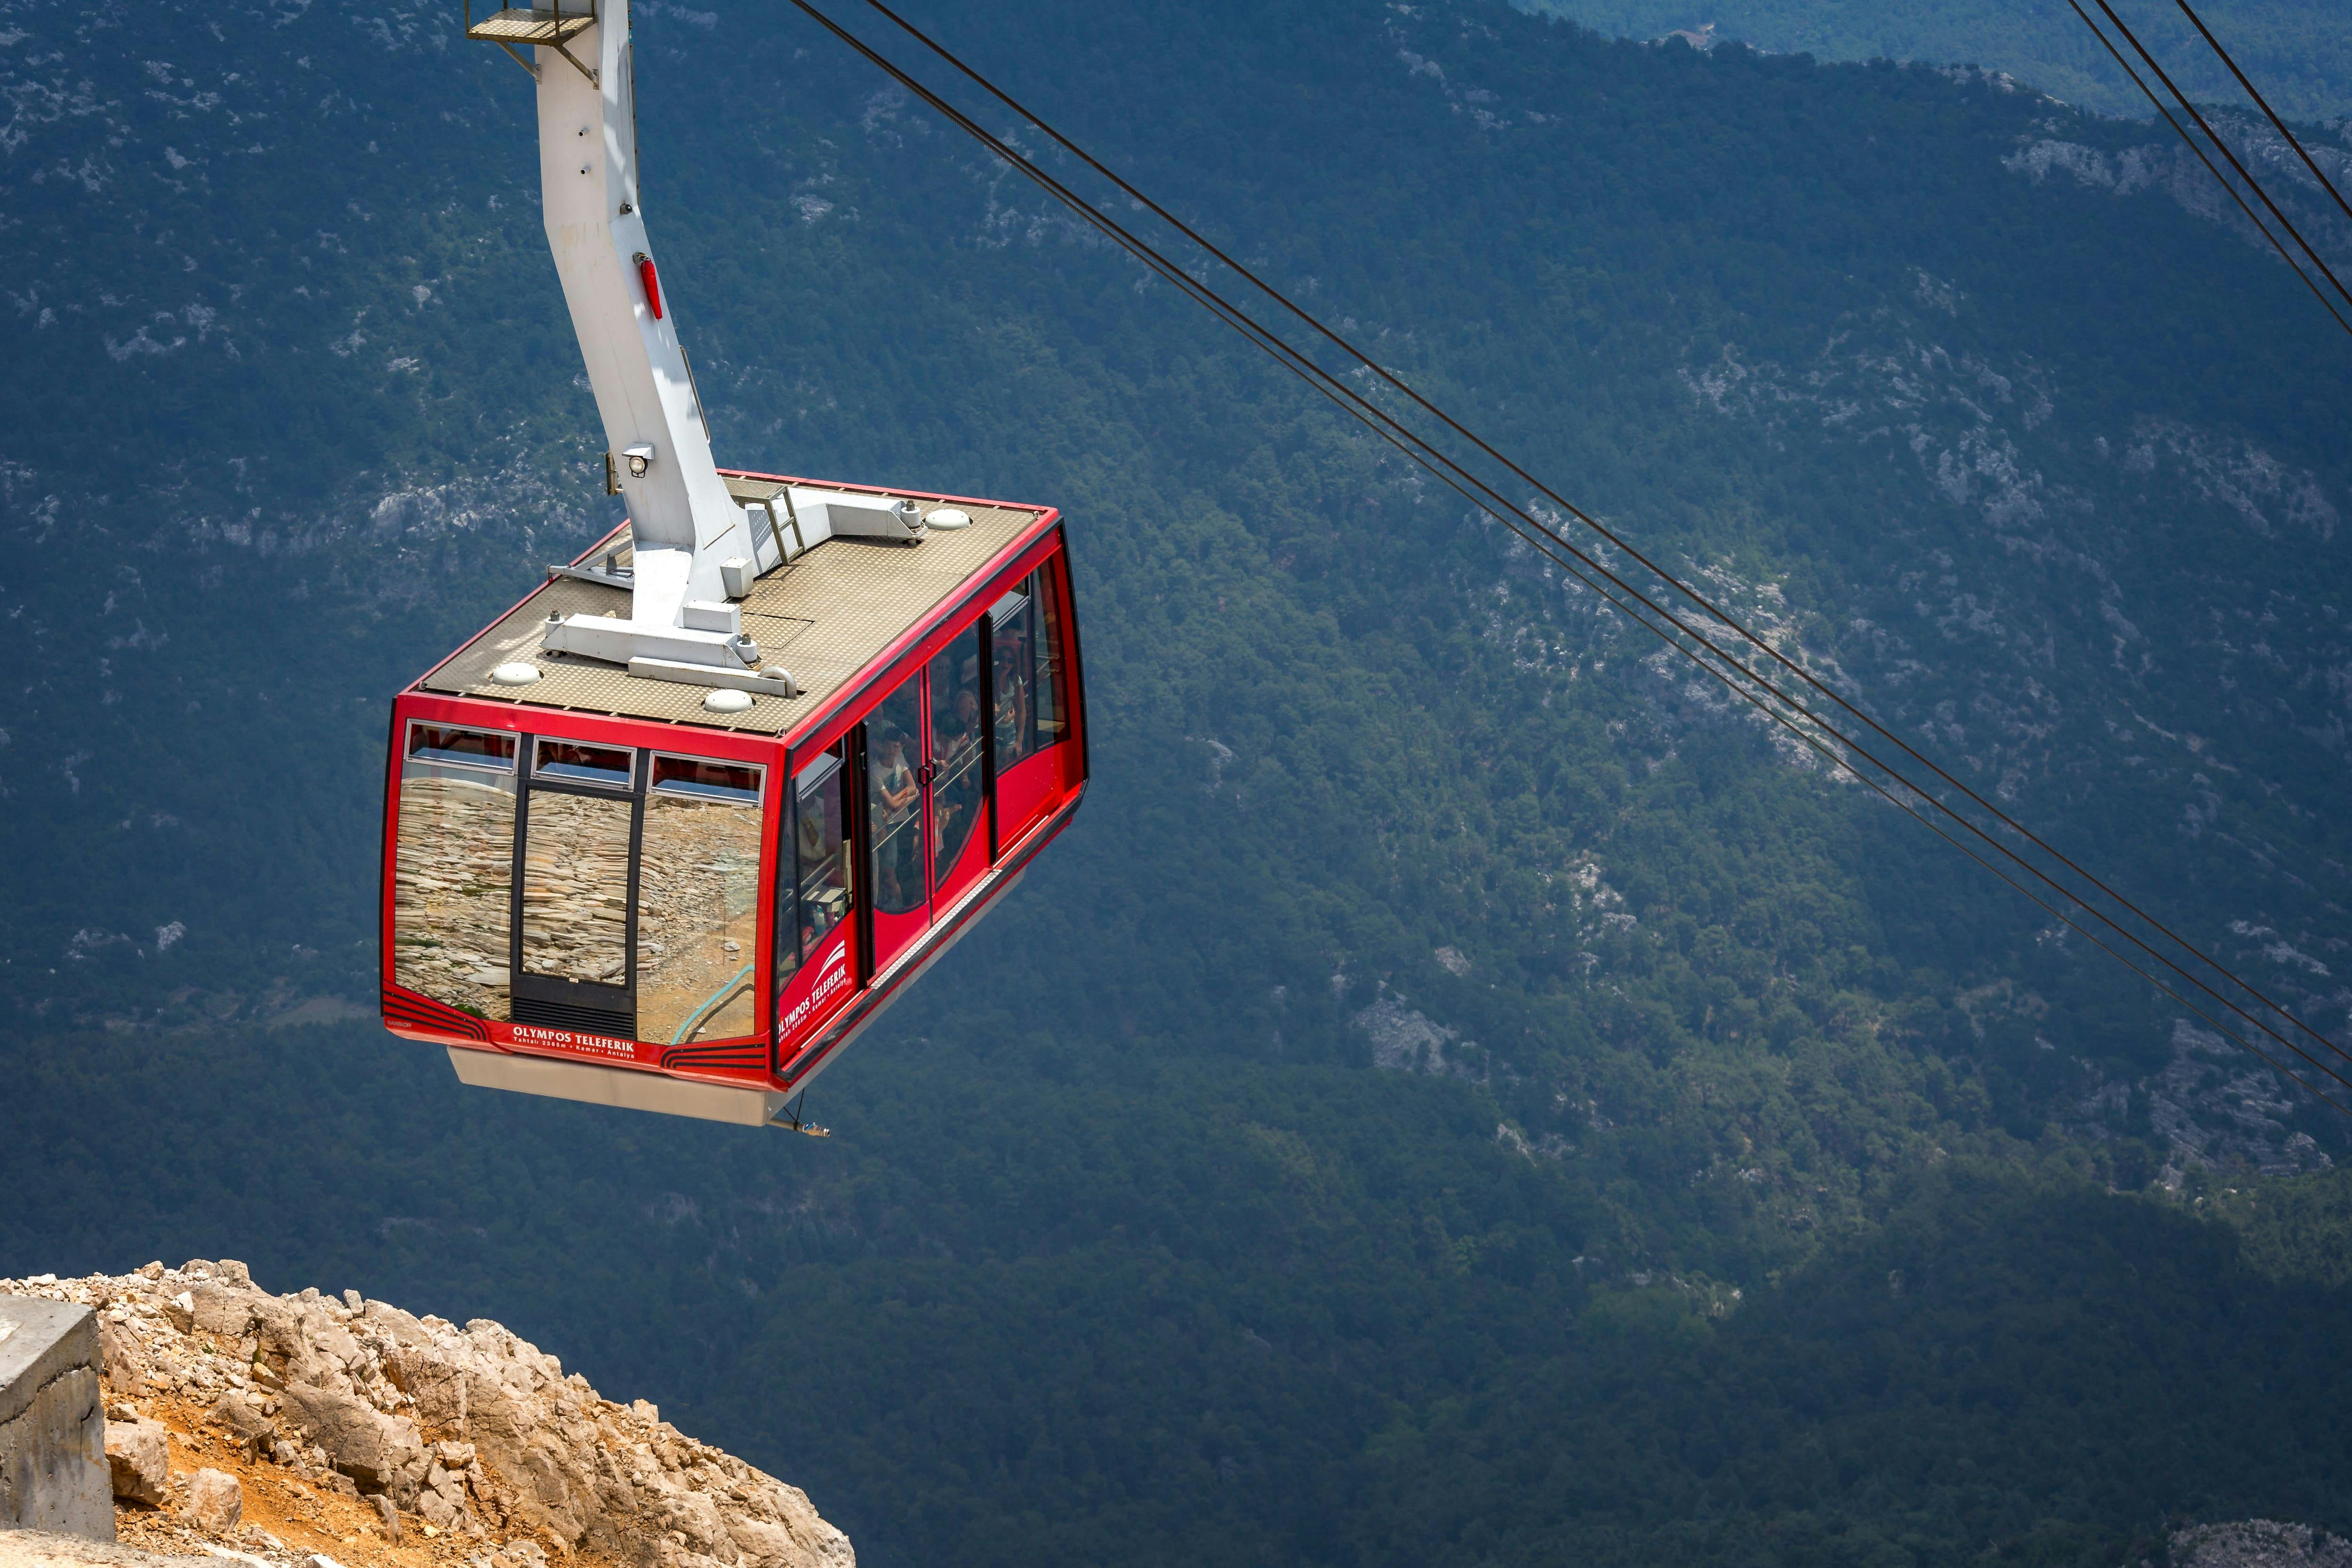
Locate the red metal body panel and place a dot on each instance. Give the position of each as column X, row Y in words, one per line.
column 828, row 1000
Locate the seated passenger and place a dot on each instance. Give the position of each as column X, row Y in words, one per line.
column 813, row 832
column 1011, row 696
column 895, row 784
column 959, row 729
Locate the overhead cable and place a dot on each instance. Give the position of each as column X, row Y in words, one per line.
column 1545, row 538
column 1685, row 589
column 2264, row 104
column 2223, row 145
column 2219, row 178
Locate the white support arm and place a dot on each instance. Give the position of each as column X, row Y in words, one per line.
column 683, row 520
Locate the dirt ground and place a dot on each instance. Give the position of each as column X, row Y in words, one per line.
column 287, row 1516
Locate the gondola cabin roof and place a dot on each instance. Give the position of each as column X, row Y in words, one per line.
column 834, row 610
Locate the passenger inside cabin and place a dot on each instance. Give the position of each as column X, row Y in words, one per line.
column 961, row 732
column 822, row 902
column 894, row 776
column 1012, row 694
column 955, row 744
column 897, row 798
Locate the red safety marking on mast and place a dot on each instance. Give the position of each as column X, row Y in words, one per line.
column 646, row 275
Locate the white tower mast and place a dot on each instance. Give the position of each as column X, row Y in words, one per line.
column 684, row 524
column 694, row 545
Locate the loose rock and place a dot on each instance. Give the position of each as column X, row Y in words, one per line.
column 215, row 1503
column 476, row 1431
column 139, row 1454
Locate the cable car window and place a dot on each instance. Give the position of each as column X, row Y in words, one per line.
column 813, row 888
column 1016, row 676
column 736, row 781
column 467, row 748
column 697, row 898
column 576, row 764
column 453, row 872
column 894, row 798
column 1053, row 722
column 1028, row 671
column 575, row 888
column 956, row 800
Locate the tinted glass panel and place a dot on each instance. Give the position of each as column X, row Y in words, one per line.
column 1027, row 656
column 956, row 799
column 735, row 781
column 453, row 878
column 894, row 799
column 1053, row 722
column 575, row 888
column 698, row 899
column 585, row 764
column 812, row 890
column 1016, row 674
column 480, row 748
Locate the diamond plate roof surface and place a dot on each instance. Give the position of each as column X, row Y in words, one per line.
column 825, row 618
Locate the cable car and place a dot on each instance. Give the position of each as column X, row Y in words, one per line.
column 671, row 831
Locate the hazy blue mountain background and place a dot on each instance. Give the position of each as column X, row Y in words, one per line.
column 2298, row 52
column 1460, row 1093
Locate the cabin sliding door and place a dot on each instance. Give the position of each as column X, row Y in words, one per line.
column 927, row 793
column 895, row 822
column 577, row 895
column 957, row 772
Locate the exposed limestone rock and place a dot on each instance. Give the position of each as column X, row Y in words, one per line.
column 2258, row 1544
column 45, row 1549
column 215, row 1503
column 464, row 1435
column 139, row 1458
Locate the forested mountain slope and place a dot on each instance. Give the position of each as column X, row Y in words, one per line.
column 1448, row 1039
column 2296, row 51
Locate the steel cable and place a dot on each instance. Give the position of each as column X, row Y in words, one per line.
column 1706, row 605
column 2264, row 104
column 2219, row 178
column 1548, row 542
column 2285, row 222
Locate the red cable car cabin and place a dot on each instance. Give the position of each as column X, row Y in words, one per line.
column 617, row 890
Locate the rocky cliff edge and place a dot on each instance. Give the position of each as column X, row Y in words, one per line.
column 310, row 1431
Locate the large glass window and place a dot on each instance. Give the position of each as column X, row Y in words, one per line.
column 812, row 884
column 453, row 876
column 565, row 761
column 894, row 799
column 1052, row 721
column 575, row 888
column 1027, row 642
column 956, row 796
column 697, row 900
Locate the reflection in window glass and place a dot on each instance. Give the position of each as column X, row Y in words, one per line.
column 613, row 764
column 575, row 888
column 1016, row 674
column 697, row 898
column 1027, row 641
column 1052, row 722
column 736, row 782
column 476, row 748
column 956, row 799
column 812, row 887
column 453, row 877
column 894, row 798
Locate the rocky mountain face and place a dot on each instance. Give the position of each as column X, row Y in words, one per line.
column 2259, row 1544
column 283, row 1427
